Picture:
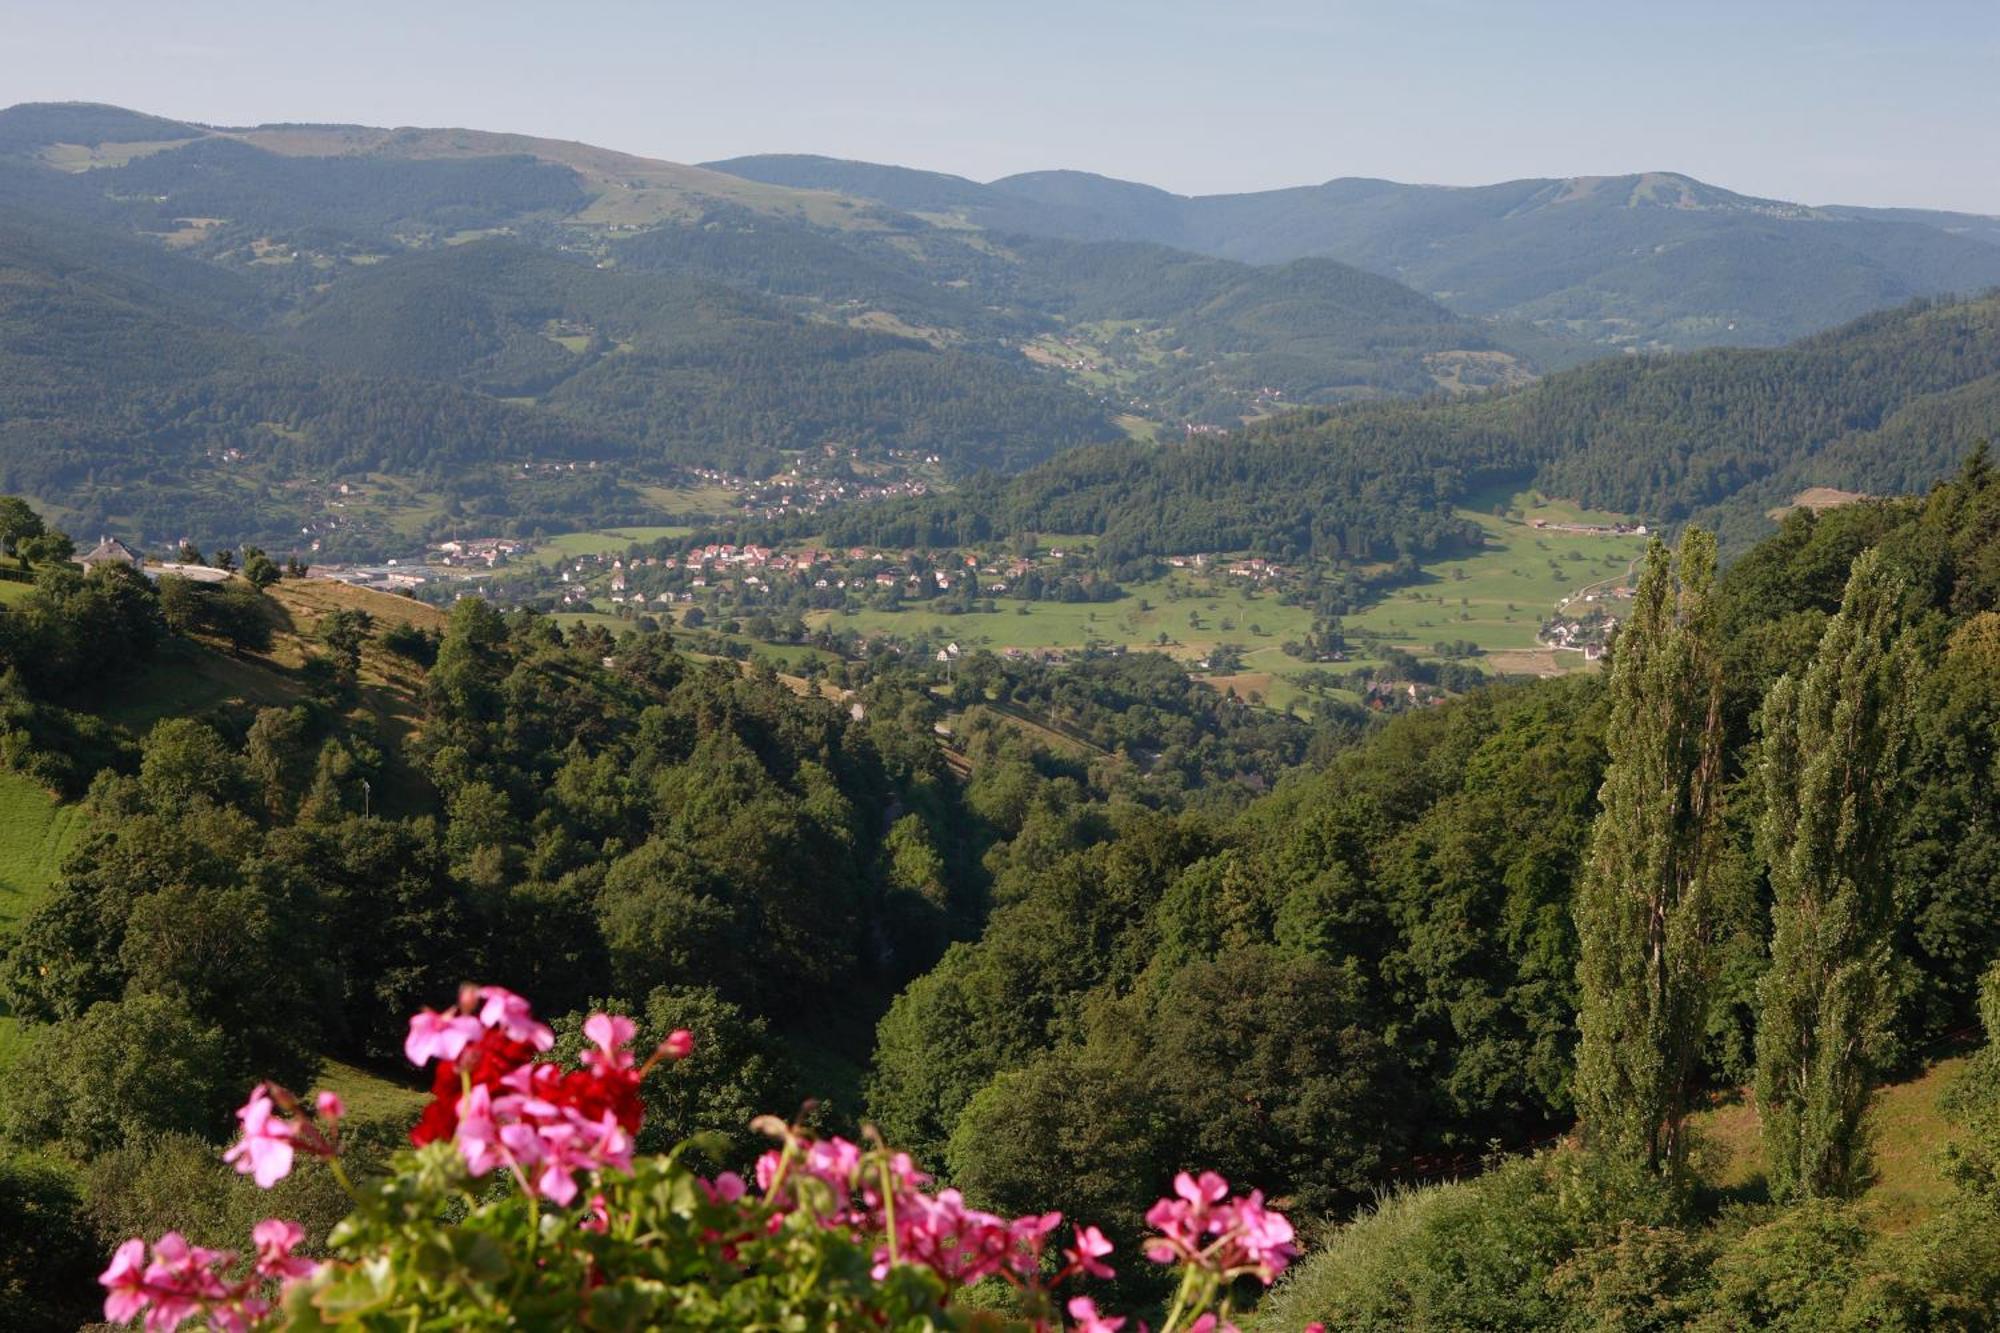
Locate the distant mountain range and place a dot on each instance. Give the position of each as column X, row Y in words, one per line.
column 1648, row 260
column 202, row 328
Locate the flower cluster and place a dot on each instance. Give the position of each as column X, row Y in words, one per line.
column 498, row 1106
column 881, row 1195
column 270, row 1139
column 180, row 1281
column 1203, row 1226
column 503, row 1108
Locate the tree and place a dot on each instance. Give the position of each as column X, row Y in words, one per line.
column 184, row 759
column 1833, row 739
column 126, row 1068
column 19, row 524
column 258, row 567
column 1644, row 909
column 738, row 1071
column 344, row 631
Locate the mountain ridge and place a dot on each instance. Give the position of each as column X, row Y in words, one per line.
column 1608, row 258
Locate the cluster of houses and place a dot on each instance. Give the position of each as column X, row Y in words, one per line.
column 1592, row 529
column 1256, row 568
column 721, row 566
column 1587, row 634
column 475, row 552
column 796, row 493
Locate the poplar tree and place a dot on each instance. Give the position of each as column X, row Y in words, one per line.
column 1832, row 748
column 1644, row 907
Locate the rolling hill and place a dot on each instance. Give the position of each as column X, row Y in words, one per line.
column 1892, row 402
column 985, row 320
column 1654, row 259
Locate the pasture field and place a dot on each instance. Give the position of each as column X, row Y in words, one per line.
column 569, row 545
column 692, row 499
column 1498, row 596
column 1494, row 598
column 1194, row 614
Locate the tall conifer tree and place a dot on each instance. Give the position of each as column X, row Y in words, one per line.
column 1643, row 910
column 1832, row 745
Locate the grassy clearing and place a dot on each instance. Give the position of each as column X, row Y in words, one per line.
column 1494, row 598
column 692, row 499
column 370, row 1096
column 1498, row 596
column 570, row 545
column 36, row 833
column 13, row 594
column 1908, row 1133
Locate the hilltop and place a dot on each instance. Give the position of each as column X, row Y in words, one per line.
column 1650, row 259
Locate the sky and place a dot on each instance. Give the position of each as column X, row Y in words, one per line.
column 1893, row 102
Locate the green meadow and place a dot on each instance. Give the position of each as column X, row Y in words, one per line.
column 570, row 545
column 1494, row 598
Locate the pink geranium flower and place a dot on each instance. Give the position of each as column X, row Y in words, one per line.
column 435, row 1036
column 1087, row 1255
column 510, row 1013
column 124, row 1283
column 276, row 1239
column 265, row 1151
column 1084, row 1311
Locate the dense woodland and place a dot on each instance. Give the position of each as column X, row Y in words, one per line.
column 1719, row 436
column 1382, row 953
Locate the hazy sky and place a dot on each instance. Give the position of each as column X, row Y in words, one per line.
column 1891, row 102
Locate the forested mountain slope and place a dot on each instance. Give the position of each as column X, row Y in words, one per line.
column 1890, row 402
column 123, row 395
column 690, row 371
column 680, row 316
column 1650, row 259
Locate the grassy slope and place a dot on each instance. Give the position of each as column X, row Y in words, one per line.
column 197, row 680
column 36, row 833
column 1907, row 1129
column 1908, row 1132
column 625, row 190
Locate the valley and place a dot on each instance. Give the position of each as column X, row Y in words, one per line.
column 592, row 741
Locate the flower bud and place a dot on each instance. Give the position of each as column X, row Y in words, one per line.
column 679, row 1044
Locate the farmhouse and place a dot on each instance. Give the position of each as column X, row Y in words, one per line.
column 110, row 550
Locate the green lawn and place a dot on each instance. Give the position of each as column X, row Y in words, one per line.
column 13, row 594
